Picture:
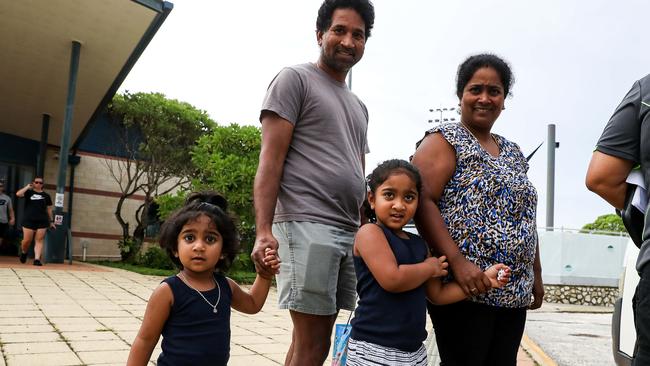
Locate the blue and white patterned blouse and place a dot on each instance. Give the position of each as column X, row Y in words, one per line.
column 489, row 206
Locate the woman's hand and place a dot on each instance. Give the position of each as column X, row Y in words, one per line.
column 470, row 277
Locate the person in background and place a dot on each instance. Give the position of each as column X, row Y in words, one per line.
column 624, row 145
column 36, row 219
column 309, row 185
column 7, row 218
column 478, row 208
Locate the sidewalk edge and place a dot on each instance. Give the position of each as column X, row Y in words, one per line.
column 536, row 352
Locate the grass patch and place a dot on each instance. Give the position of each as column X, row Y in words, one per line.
column 241, row 277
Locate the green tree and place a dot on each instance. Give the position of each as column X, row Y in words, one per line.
column 226, row 161
column 156, row 138
column 611, row 223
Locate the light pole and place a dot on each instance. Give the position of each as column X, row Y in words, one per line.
column 551, row 145
column 446, row 114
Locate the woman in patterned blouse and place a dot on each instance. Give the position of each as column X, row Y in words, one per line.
column 478, row 208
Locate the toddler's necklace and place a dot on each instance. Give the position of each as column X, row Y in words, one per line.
column 214, row 307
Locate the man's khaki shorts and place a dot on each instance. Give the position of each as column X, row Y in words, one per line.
column 317, row 270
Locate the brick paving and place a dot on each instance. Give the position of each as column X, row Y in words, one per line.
column 81, row 314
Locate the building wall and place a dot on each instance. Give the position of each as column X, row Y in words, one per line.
column 95, row 199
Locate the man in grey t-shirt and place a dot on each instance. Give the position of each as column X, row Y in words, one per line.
column 7, row 218
column 310, row 185
column 625, row 142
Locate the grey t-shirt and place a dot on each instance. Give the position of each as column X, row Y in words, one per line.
column 5, row 203
column 323, row 179
column 627, row 136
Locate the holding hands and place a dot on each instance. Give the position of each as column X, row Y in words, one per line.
column 264, row 243
column 270, row 264
column 498, row 274
column 439, row 266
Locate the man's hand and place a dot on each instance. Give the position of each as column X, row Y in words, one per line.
column 262, row 243
column 470, row 277
column 538, row 292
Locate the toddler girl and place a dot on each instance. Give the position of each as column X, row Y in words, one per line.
column 192, row 309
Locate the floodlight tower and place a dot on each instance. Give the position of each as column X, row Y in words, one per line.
column 444, row 114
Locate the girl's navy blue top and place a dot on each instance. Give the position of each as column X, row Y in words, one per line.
column 396, row 320
column 193, row 334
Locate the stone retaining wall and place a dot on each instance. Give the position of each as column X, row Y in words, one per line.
column 581, row 295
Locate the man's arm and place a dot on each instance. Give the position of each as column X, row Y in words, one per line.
column 606, row 177
column 276, row 138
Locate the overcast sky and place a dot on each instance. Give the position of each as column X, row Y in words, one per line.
column 573, row 62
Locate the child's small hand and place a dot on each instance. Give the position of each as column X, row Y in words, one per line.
column 499, row 275
column 271, row 260
column 439, row 266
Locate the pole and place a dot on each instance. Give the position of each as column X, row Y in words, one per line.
column 550, row 176
column 57, row 250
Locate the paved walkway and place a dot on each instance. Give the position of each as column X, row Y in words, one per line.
column 81, row 314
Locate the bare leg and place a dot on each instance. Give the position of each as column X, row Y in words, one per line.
column 310, row 340
column 28, row 235
column 38, row 247
column 287, row 360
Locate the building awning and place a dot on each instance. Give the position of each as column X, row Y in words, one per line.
column 35, row 44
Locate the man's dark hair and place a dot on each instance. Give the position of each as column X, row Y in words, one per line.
column 467, row 69
column 364, row 7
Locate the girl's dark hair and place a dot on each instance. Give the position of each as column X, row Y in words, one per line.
column 215, row 207
column 364, row 7
column 382, row 172
column 468, row 67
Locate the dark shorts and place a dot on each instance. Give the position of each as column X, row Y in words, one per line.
column 36, row 224
column 3, row 230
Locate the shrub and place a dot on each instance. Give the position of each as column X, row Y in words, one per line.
column 156, row 257
column 129, row 247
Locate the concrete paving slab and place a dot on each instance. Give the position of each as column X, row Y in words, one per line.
column 90, row 336
column 236, row 350
column 254, row 339
column 257, row 360
column 23, row 321
column 50, row 359
column 26, row 328
column 104, row 356
column 35, row 347
column 102, row 345
column 20, row 314
column 29, row 337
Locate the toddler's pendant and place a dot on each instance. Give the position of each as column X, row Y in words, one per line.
column 214, row 310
